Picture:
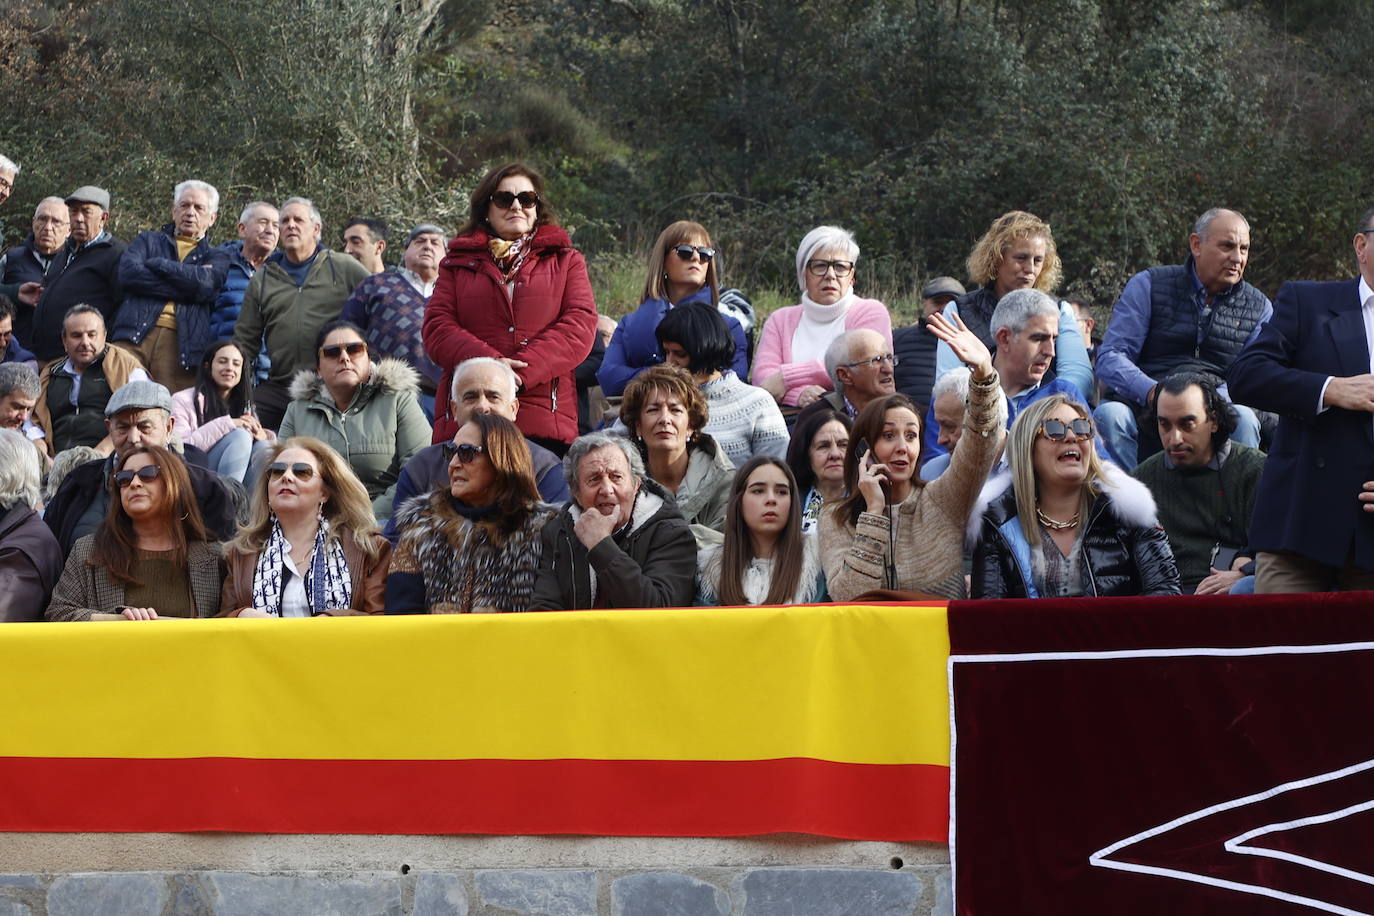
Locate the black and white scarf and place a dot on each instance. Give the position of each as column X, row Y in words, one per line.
column 326, row 565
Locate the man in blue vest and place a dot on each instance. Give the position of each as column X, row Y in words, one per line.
column 1194, row 316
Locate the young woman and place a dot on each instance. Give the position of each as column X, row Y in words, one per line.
column 150, row 557
column 1063, row 523
column 216, row 415
column 766, row 559
column 683, row 268
column 816, row 457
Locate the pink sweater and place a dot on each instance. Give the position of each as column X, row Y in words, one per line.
column 774, row 353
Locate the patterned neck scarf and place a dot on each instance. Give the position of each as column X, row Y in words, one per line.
column 509, row 255
column 328, row 585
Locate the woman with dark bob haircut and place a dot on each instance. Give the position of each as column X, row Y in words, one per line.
column 513, row 288
column 766, row 559
column 151, row 556
column 744, row 420
column 473, row 546
column 816, row 457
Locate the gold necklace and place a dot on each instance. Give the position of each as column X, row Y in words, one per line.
column 1052, row 524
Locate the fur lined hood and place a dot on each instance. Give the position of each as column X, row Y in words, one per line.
column 388, row 375
column 1128, row 500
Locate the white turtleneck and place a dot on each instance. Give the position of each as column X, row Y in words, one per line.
column 819, row 325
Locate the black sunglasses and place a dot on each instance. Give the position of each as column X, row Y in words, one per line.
column 300, row 470
column 147, row 472
column 355, row 349
column 505, row 199
column 465, row 453
column 686, row 251
column 1058, row 430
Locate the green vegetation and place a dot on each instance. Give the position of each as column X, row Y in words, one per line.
column 911, row 122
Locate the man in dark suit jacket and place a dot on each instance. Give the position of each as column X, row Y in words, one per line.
column 1312, row 365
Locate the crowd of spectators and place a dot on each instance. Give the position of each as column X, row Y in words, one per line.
column 273, row 428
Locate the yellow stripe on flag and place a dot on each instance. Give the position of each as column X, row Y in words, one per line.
column 855, row 684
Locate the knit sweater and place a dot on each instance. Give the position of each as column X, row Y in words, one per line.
column 1203, row 507
column 391, row 311
column 745, row 421
column 927, row 528
column 775, row 345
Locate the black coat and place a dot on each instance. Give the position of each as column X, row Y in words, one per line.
column 1125, row 552
column 89, row 275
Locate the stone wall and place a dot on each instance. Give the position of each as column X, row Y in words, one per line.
column 239, row 875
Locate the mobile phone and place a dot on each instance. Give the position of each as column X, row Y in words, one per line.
column 860, row 449
column 1223, row 558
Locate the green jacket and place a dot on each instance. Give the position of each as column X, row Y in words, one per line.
column 378, row 433
column 290, row 315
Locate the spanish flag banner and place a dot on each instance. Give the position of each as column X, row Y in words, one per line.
column 828, row 720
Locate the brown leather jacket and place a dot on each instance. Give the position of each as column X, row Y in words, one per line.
column 369, row 584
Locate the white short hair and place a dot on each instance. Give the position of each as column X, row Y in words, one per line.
column 1020, row 306
column 477, row 362
column 8, row 165
column 248, row 210
column 308, row 204
column 18, row 470
column 823, row 238
column 192, row 184
column 955, row 381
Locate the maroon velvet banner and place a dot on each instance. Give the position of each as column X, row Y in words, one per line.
column 1163, row 755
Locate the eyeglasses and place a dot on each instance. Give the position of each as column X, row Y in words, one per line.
column 145, row 473
column 299, row 470
column 1058, row 430
column 820, row 268
column 874, row 361
column 465, row 453
column 685, row 252
column 355, row 349
column 506, row 200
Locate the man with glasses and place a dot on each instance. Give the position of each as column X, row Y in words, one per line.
column 22, row 267
column 139, row 413
column 8, row 170
column 299, row 290
column 861, row 366
column 1312, row 365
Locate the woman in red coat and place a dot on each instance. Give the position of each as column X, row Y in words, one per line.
column 512, row 287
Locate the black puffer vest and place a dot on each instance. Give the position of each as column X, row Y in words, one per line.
column 1183, row 337
column 83, row 424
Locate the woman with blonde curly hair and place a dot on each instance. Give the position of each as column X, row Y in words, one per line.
column 665, row 413
column 311, row 546
column 1017, row 252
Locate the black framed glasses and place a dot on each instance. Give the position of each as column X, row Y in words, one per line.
column 1058, row 430
column 819, row 268
column 355, row 349
column 126, row 477
column 506, row 200
column 685, row 252
column 465, row 453
column 874, row 361
column 299, row 470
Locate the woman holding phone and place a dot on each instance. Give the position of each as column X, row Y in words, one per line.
column 895, row 531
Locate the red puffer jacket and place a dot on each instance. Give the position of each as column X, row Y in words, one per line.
column 547, row 319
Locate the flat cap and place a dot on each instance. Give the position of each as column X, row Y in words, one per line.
column 139, row 395
column 90, row 194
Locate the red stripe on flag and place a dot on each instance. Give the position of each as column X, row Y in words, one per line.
column 598, row 797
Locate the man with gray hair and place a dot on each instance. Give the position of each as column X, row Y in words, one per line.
column 298, row 291
column 171, row 277
column 1194, row 316
column 8, row 170
column 84, row 272
column 390, row 307
column 480, row 385
column 30, row 560
column 23, row 267
column 1025, row 326
column 621, row 542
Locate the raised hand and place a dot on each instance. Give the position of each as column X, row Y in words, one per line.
column 963, row 342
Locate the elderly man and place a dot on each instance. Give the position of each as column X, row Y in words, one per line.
column 480, row 385
column 258, row 230
column 23, row 267
column 390, row 307
column 915, row 346
column 19, row 391
column 1204, row 485
column 1025, row 326
column 140, row 413
column 1197, row 315
column 861, row 366
column 170, row 278
column 364, row 239
column 621, row 543
column 75, row 390
column 8, row 170
column 86, row 272
column 298, row 291
column 1313, row 524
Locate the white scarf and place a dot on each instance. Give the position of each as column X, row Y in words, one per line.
column 819, row 325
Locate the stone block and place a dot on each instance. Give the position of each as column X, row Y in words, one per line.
column 539, row 893
column 134, row 894
column 666, row 894
column 234, row 894
column 829, row 892
column 944, row 894
column 11, row 907
column 24, row 881
column 440, row 895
